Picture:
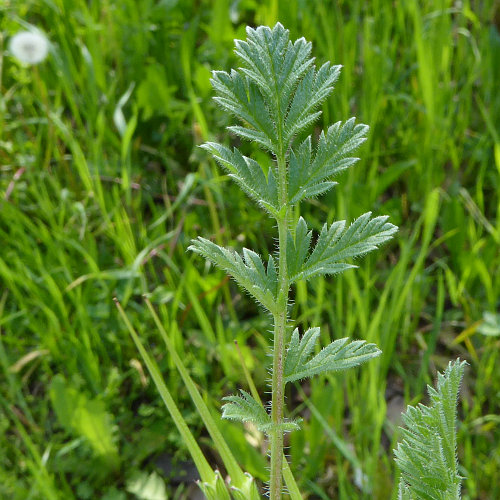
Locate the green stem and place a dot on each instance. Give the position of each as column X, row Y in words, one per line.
column 278, row 399
column 291, row 484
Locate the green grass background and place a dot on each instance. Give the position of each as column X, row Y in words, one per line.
column 102, row 187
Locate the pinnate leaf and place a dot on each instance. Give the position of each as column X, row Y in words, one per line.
column 248, row 174
column 277, row 91
column 309, row 177
column 427, row 455
column 297, row 247
column 274, row 64
column 339, row 355
column 245, row 409
column 239, row 96
column 335, row 244
column 312, row 90
column 248, row 271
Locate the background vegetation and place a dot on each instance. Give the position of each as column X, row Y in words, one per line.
column 102, row 187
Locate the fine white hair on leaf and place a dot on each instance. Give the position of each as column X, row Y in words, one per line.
column 29, row 47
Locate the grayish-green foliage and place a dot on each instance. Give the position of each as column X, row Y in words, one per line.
column 249, row 176
column 339, row 355
column 245, row 409
column 334, row 244
column 277, row 90
column 309, row 173
column 249, row 271
column 427, row 455
column 276, row 94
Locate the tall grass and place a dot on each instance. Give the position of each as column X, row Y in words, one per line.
column 102, row 187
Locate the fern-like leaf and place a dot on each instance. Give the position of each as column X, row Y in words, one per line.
column 336, row 244
column 249, row 175
column 313, row 89
column 239, row 96
column 276, row 93
column 339, row 355
column 297, row 248
column 277, row 90
column 427, row 455
column 277, row 67
column 310, row 177
column 248, row 271
column 245, row 409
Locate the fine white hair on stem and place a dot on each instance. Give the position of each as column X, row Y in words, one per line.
column 29, row 47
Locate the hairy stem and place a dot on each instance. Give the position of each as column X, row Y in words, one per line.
column 278, row 399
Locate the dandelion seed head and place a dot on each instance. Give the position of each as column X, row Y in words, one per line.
column 29, row 47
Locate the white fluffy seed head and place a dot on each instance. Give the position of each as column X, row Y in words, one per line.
column 29, row 47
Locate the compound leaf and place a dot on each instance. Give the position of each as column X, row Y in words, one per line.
column 248, row 174
column 239, row 96
column 312, row 90
column 336, row 244
column 249, row 271
column 334, row 146
column 297, row 247
column 339, row 355
column 274, row 64
column 245, row 409
column 427, row 455
column 309, row 178
column 277, row 90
